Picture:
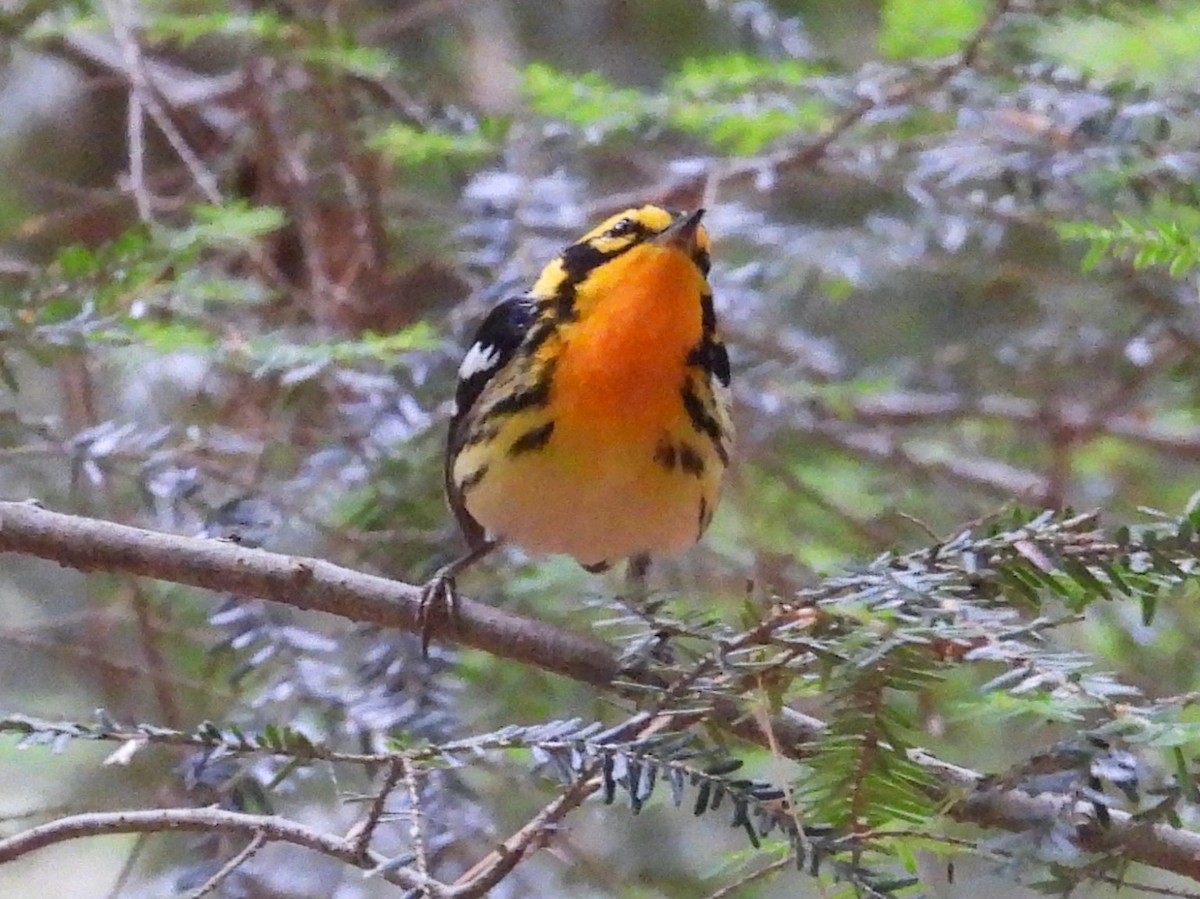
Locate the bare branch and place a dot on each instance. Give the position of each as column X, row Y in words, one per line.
column 416, row 830
column 89, row 545
column 1157, row 845
column 362, row 835
column 128, row 867
column 1078, row 420
column 491, row 870
column 269, row 828
column 143, row 98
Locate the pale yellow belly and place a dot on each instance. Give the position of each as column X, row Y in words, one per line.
column 596, row 501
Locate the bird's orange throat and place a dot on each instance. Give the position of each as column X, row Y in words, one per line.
column 621, row 371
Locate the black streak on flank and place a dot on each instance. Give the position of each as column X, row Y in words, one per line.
column 702, row 421
column 718, row 362
column 705, row 516
column 708, row 315
column 690, row 461
column 710, row 352
column 532, row 440
column 532, row 397
column 710, row 355
column 664, row 454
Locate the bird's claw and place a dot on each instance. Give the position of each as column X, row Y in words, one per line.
column 439, row 596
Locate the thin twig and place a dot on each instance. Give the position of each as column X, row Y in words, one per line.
column 41, row 812
column 813, row 152
column 808, row 154
column 128, row 866
column 991, row 476
column 490, row 870
column 416, row 828
column 148, row 633
column 765, row 724
column 364, row 832
column 494, row 867
column 867, row 530
column 248, row 851
column 137, row 158
column 121, row 16
column 97, row 661
column 412, row 15
column 762, row 873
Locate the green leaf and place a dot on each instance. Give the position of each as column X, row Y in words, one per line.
column 1144, row 45
column 263, row 25
column 230, row 225
column 1084, row 577
column 1149, row 607
column 731, row 75
column 919, row 29
column 272, row 354
column 412, row 147
column 76, row 262
column 172, row 335
column 1115, row 578
column 741, row 103
column 1169, row 236
column 587, row 101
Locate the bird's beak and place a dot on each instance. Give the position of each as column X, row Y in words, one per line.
column 681, row 233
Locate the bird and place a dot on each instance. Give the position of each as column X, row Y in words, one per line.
column 592, row 415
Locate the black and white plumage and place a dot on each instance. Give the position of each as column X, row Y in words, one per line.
column 499, row 337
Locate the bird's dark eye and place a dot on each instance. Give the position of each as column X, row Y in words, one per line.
column 621, row 228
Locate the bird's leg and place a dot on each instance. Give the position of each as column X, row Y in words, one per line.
column 636, row 598
column 440, row 592
column 635, row 579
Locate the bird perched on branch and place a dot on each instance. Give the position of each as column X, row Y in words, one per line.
column 592, row 416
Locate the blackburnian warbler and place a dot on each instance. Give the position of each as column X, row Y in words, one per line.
column 592, row 416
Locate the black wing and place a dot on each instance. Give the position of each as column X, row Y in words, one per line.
column 496, row 342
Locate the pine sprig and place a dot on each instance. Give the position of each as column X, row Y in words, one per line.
column 1170, row 239
column 859, row 776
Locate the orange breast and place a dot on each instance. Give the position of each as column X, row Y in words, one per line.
column 623, row 363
